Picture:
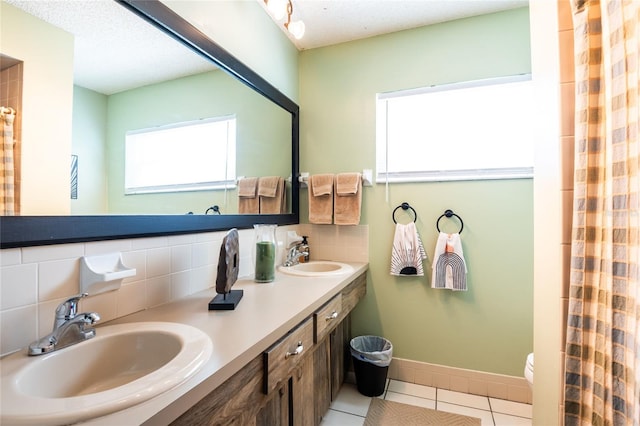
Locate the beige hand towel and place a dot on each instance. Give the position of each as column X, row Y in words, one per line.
column 248, row 202
column 321, row 199
column 348, row 199
column 348, row 183
column 321, row 184
column 268, row 186
column 271, row 193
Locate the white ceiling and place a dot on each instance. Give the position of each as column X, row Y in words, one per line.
column 114, row 52
column 330, row 22
column 114, row 49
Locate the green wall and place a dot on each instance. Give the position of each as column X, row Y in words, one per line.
column 100, row 124
column 490, row 327
column 263, row 132
column 246, row 31
column 89, row 144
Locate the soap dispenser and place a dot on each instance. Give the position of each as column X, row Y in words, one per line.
column 304, row 247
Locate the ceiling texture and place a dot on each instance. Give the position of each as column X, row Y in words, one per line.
column 331, row 22
column 109, row 38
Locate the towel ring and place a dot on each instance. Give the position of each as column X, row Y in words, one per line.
column 215, row 209
column 449, row 213
column 404, row 206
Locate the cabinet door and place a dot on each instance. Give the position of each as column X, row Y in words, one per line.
column 276, row 410
column 322, row 378
column 302, row 393
column 337, row 358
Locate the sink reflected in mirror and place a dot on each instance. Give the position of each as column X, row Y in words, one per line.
column 122, row 366
column 318, row 268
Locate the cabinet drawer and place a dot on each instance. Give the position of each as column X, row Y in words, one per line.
column 352, row 294
column 281, row 358
column 327, row 317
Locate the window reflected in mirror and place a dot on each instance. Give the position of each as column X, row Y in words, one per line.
column 193, row 156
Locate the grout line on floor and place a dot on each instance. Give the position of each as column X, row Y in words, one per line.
column 347, row 412
column 475, row 408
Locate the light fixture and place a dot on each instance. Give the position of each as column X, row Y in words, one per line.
column 278, row 9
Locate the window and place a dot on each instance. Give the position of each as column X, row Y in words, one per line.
column 190, row 156
column 472, row 130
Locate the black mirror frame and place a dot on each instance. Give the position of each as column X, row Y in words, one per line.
column 25, row 231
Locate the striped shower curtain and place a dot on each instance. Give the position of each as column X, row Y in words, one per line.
column 7, row 169
column 602, row 367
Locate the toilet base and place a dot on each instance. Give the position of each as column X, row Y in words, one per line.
column 528, row 370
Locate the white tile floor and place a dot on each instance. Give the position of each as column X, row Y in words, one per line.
column 350, row 407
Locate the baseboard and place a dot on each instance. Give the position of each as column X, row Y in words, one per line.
column 500, row 386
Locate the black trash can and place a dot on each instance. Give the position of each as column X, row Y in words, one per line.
column 371, row 358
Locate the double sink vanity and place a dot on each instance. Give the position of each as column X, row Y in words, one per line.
column 278, row 358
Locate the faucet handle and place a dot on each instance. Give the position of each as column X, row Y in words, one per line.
column 69, row 308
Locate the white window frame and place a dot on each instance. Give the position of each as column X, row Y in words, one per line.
column 213, row 163
column 447, row 148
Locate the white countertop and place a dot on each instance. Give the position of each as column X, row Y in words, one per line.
column 265, row 313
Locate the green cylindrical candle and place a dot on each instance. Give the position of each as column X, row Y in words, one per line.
column 265, row 262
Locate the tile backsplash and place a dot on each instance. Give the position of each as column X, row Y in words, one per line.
column 35, row 280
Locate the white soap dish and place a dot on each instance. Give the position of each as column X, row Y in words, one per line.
column 102, row 273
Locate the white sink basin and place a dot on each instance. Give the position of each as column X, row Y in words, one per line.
column 122, row 366
column 317, row 268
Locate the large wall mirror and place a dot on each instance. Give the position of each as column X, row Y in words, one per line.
column 215, row 85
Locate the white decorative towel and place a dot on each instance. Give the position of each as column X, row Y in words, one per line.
column 449, row 269
column 408, row 252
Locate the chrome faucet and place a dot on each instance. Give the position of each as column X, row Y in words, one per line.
column 69, row 328
column 294, row 254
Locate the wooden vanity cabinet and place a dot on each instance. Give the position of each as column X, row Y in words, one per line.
column 330, row 360
column 276, row 389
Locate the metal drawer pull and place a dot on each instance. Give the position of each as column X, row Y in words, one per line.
column 333, row 316
column 298, row 351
